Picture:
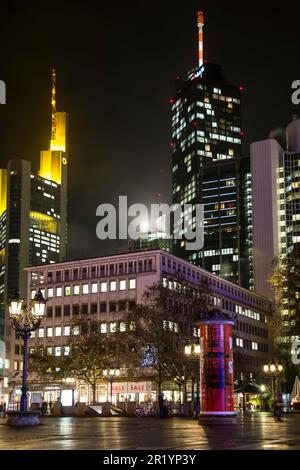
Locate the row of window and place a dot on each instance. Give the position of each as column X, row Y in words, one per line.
column 251, row 329
column 55, row 350
column 180, row 268
column 217, row 301
column 93, row 308
column 58, row 331
column 85, row 289
column 92, row 272
column 248, row 344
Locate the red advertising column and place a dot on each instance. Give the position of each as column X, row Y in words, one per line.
column 216, row 371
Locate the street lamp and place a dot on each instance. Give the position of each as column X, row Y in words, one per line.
column 24, row 320
column 110, row 374
column 272, row 371
column 194, row 352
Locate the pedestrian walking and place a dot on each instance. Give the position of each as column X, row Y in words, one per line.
column 44, row 407
column 2, row 409
column 278, row 407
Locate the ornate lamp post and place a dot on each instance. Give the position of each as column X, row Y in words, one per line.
column 193, row 350
column 25, row 319
column 272, row 371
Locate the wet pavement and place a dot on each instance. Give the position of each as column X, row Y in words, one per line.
column 253, row 432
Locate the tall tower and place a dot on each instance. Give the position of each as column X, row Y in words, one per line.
column 276, row 215
column 33, row 223
column 206, row 152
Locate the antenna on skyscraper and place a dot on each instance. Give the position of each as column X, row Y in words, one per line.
column 200, row 23
column 53, row 105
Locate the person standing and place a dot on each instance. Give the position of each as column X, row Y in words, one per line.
column 44, row 407
column 161, row 405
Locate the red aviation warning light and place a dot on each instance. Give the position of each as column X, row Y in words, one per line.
column 200, row 23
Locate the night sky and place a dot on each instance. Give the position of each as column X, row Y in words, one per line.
column 116, row 69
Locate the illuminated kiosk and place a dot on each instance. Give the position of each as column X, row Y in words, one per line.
column 216, row 369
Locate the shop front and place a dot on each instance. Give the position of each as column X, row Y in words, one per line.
column 138, row 392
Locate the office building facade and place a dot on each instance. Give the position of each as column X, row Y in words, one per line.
column 103, row 288
column 276, row 207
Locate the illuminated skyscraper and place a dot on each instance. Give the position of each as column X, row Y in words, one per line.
column 33, row 218
column 276, row 212
column 207, row 166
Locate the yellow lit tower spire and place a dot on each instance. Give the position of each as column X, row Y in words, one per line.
column 53, row 105
column 54, row 160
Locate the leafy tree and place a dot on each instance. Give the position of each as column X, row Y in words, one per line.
column 163, row 324
column 91, row 353
column 285, row 282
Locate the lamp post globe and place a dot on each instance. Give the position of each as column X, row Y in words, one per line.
column 272, row 371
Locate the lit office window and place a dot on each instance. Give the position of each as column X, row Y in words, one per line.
column 41, row 332
column 33, row 292
column 103, row 328
column 94, row 288
column 103, row 286
column 123, row 284
column 76, row 289
column 50, row 292
column 57, row 351
column 66, row 350
column 67, row 331
column 122, row 326
column 58, row 331
column 132, row 283
column 239, row 342
column 67, row 291
column 254, row 346
column 113, row 327
column 58, row 292
column 76, row 330
column 49, row 351
column 85, row 289
column 49, row 332
column 113, row 286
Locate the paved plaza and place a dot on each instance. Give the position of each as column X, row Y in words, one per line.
column 253, row 432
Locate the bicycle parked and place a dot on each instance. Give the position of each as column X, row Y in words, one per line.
column 141, row 411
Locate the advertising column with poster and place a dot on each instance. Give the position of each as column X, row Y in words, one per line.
column 216, row 366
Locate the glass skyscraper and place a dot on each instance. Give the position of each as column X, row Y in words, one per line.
column 208, row 169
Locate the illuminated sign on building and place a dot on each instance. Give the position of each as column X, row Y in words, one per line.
column 131, row 387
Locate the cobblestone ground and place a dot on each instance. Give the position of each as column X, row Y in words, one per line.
column 253, row 432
